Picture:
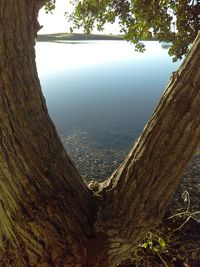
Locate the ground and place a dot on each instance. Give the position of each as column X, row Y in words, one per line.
column 176, row 242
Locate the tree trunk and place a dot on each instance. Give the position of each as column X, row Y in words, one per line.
column 45, row 207
column 48, row 216
column 135, row 198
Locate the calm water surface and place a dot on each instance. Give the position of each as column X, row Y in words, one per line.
column 102, row 87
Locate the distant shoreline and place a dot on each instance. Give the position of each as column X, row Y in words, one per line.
column 59, row 37
column 53, row 37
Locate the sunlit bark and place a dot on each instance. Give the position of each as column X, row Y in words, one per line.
column 135, row 198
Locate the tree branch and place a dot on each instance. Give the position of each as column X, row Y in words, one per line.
column 134, row 199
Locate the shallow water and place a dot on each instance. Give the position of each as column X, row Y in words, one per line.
column 102, row 87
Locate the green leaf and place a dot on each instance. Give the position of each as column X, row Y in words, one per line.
column 161, row 242
column 154, row 249
column 144, row 245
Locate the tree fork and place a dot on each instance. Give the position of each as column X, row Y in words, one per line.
column 48, row 216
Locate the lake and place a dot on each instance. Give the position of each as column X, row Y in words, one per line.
column 101, row 92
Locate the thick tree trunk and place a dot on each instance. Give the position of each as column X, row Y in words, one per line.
column 45, row 207
column 48, row 216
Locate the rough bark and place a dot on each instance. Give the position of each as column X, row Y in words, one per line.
column 45, row 207
column 135, row 198
column 48, row 216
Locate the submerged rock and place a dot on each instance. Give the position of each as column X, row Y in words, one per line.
column 92, row 159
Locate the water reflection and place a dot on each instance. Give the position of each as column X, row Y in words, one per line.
column 102, row 86
column 100, row 95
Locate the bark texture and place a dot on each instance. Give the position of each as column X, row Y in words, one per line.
column 48, row 216
column 135, row 198
column 45, row 207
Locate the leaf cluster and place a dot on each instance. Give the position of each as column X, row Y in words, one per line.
column 174, row 21
column 50, row 6
column 154, row 243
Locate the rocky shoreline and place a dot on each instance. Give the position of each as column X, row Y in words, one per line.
column 93, row 161
column 96, row 161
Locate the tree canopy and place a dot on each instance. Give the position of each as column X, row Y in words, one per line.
column 175, row 21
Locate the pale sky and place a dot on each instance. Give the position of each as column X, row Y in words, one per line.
column 58, row 23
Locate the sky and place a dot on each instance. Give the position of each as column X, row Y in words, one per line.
column 58, row 23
